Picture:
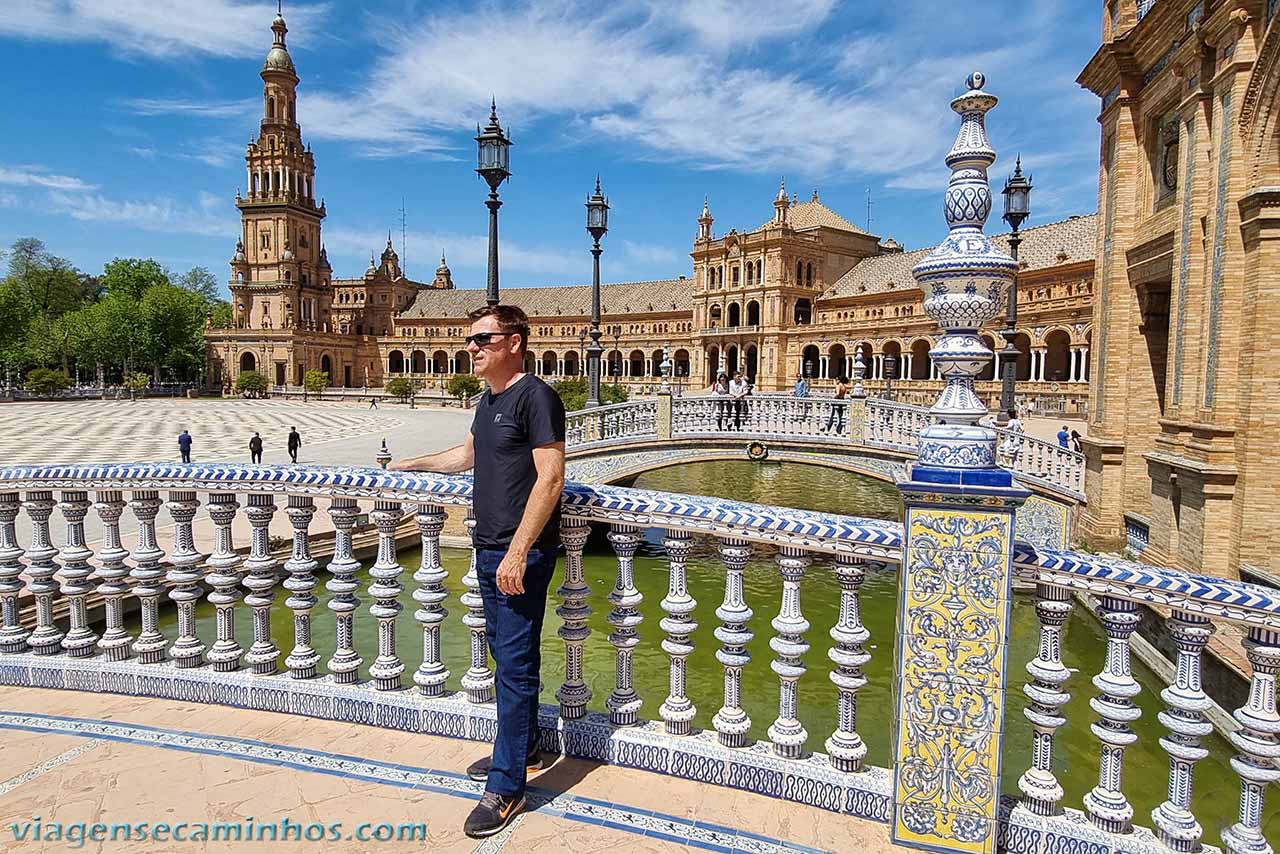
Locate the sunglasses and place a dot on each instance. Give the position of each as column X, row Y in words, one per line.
column 484, row 339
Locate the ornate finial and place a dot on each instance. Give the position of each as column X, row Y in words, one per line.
column 782, row 190
column 859, row 373
column 493, row 108
column 815, row 195
column 597, row 183
column 966, row 279
column 384, row 456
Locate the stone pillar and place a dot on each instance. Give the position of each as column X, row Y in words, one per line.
column 664, row 414
column 957, row 563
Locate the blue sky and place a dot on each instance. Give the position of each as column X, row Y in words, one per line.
column 128, row 121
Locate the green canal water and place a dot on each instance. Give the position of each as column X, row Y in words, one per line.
column 820, row 489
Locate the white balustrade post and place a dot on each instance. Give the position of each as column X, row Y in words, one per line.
column 75, row 573
column 624, row 703
column 478, row 680
column 1184, row 718
column 786, row 733
column 41, row 567
column 13, row 635
column 224, row 578
column 345, row 663
column 113, row 576
column 184, row 575
column 1106, row 804
column 845, row 747
column 148, row 577
column 1046, row 699
column 260, row 583
column 677, row 711
column 574, row 694
column 731, row 721
column 385, row 590
column 430, row 593
column 1258, row 740
column 301, row 583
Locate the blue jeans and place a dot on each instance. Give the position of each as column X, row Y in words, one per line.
column 514, row 628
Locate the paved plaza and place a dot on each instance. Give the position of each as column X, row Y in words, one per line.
column 334, row 433
column 71, row 757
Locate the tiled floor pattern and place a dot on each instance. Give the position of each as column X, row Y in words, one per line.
column 129, row 431
column 113, row 758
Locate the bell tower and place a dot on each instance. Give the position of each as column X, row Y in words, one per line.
column 279, row 276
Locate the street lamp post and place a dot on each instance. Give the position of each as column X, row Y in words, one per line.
column 1017, row 207
column 597, row 227
column 494, row 160
column 617, row 348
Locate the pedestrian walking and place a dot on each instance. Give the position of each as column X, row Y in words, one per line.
column 184, row 446
column 516, row 448
column 295, row 442
column 1012, row 445
column 720, row 388
column 738, row 390
column 255, row 449
column 835, row 416
column 1063, row 437
column 373, row 402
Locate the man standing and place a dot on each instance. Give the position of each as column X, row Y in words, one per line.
column 516, row 447
column 738, row 390
column 801, row 391
column 255, row 449
column 295, row 442
column 1064, row 438
column 184, row 446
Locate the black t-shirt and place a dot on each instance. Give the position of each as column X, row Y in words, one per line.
column 506, row 429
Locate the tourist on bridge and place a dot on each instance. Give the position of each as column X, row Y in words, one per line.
column 801, row 390
column 721, row 388
column 1076, row 444
column 1063, row 437
column 835, row 416
column 184, row 446
column 516, row 448
column 255, row 449
column 295, row 442
column 1012, row 445
column 738, row 391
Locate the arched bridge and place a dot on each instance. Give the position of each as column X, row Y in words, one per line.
column 613, row 444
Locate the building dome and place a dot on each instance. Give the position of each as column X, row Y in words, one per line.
column 278, row 59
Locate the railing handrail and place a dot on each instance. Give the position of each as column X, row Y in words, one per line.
column 873, row 539
column 638, row 403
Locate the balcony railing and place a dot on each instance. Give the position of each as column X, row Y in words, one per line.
column 130, row 654
column 730, row 330
column 762, row 416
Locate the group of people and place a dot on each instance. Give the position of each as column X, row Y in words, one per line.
column 733, row 394
column 835, row 411
column 293, row 443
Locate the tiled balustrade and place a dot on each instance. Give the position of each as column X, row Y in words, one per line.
column 406, row 689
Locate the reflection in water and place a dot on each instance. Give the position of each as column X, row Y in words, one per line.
column 819, row 489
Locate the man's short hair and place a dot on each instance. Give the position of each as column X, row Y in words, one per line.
column 510, row 319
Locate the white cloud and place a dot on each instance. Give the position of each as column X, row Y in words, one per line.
column 35, row 176
column 171, row 29
column 653, row 254
column 170, row 107
column 8, row 199
column 724, row 24
column 159, row 214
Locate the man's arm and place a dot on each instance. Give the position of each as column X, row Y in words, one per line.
column 457, row 459
column 548, row 460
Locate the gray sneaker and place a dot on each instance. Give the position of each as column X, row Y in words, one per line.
column 492, row 814
column 479, row 770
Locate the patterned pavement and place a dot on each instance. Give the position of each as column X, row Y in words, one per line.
column 127, row 431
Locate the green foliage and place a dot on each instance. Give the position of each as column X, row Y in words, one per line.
column 198, row 280
column 46, row 381
column 400, row 387
column 573, row 393
column 463, row 386
column 220, row 315
column 316, row 381
column 131, row 277
column 137, row 381
column 252, row 383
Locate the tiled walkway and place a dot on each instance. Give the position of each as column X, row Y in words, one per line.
column 71, row 757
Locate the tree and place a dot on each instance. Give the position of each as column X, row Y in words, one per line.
column 573, row 393
column 220, row 315
column 46, row 381
column 400, row 387
column 51, row 284
column 174, row 321
column 463, row 386
column 252, row 383
column 136, row 382
column 198, row 280
column 131, row 277
column 316, row 381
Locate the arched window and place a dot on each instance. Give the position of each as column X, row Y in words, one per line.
column 759, row 270
column 735, row 314
column 753, row 313
column 808, row 274
column 292, row 117
column 799, row 272
column 271, row 108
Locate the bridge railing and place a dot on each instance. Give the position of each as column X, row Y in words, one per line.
column 895, row 425
column 1040, row 461
column 633, row 419
column 52, row 643
column 765, row 416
